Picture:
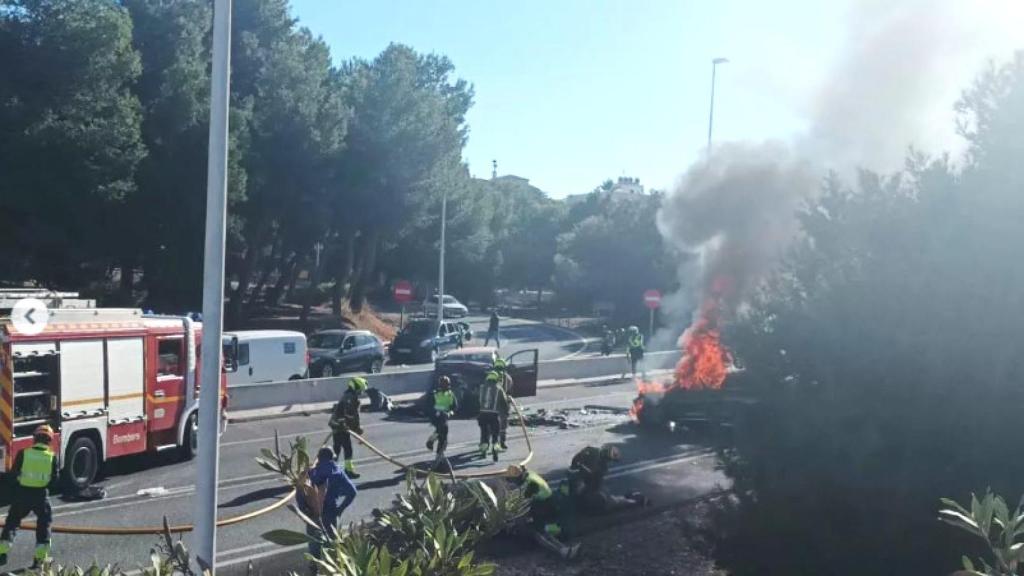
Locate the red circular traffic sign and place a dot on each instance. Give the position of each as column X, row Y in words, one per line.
column 652, row 299
column 402, row 291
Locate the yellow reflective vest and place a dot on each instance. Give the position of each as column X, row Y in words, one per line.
column 36, row 467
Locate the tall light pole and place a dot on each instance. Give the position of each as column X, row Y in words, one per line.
column 205, row 511
column 440, row 271
column 711, row 114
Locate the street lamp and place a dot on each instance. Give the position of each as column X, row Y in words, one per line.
column 711, row 114
column 204, row 539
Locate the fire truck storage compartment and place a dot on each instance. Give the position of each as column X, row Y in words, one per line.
column 125, row 380
column 36, row 371
column 82, row 379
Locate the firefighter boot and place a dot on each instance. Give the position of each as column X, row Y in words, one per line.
column 483, row 450
column 551, row 544
column 5, row 547
column 430, row 441
column 350, row 469
column 41, row 556
column 494, row 452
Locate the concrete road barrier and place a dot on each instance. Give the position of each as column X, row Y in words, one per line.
column 318, row 390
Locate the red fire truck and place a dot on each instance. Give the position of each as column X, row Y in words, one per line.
column 111, row 382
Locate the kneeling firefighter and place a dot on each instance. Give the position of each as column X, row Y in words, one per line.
column 586, row 481
column 548, row 512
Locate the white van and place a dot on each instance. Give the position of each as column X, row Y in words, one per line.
column 267, row 356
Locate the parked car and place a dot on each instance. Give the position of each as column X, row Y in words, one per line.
column 452, row 307
column 266, row 356
column 423, row 340
column 468, row 366
column 335, row 352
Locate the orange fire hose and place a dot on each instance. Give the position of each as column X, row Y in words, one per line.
column 493, row 473
column 143, row 530
column 155, row 530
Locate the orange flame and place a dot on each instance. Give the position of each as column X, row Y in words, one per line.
column 705, row 362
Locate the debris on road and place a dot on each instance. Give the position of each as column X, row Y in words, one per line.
column 153, row 492
column 379, row 401
column 566, row 418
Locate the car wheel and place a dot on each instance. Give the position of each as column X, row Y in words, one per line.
column 190, row 444
column 327, row 370
column 81, row 463
column 375, row 365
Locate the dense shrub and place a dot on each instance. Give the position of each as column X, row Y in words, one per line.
column 886, row 361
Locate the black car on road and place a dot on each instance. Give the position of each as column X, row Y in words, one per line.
column 424, row 340
column 468, row 367
column 334, row 352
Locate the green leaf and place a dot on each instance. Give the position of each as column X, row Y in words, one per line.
column 957, row 519
column 283, row 537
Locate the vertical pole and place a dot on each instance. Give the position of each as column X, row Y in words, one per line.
column 711, row 113
column 440, row 273
column 205, row 511
column 401, row 319
column 650, row 329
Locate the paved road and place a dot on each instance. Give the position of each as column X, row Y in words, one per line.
column 552, row 342
column 665, row 467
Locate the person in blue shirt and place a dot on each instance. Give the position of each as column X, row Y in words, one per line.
column 338, row 489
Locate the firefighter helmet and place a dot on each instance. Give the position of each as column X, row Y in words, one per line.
column 44, row 431
column 357, row 383
column 515, row 471
column 610, row 452
column 500, row 364
column 444, row 382
column 493, row 377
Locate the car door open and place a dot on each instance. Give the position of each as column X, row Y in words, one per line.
column 522, row 367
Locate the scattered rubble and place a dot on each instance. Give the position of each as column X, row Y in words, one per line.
column 565, row 418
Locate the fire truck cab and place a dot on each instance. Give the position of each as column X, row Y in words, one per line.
column 111, row 382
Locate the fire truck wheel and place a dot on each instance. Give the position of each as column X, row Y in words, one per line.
column 191, row 443
column 81, row 463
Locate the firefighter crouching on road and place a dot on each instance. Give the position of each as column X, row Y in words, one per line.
column 506, row 384
column 586, row 481
column 36, row 470
column 345, row 418
column 492, row 403
column 333, row 493
column 444, row 406
column 547, row 511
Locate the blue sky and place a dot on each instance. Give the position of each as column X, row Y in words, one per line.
column 570, row 92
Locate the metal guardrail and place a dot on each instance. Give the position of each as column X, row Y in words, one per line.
column 319, row 390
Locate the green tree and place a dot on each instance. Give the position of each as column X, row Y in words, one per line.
column 405, row 140
column 614, row 253
column 69, row 137
column 294, row 130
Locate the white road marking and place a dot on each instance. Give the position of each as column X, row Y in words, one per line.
column 579, row 338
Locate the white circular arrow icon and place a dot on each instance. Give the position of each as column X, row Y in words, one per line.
column 30, row 316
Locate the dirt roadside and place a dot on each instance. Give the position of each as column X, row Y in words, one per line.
column 667, row 543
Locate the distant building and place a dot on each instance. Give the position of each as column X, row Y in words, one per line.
column 622, row 189
column 512, row 179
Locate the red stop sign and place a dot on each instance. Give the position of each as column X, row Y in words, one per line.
column 652, row 299
column 402, row 291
